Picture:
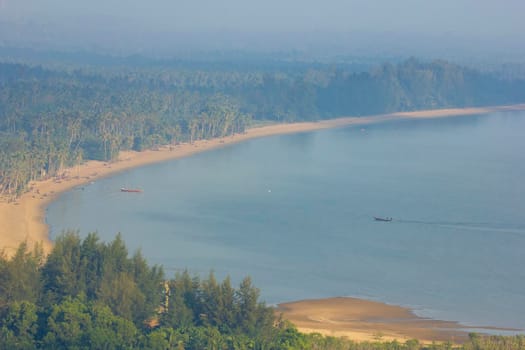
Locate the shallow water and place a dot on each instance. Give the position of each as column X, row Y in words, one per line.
column 296, row 213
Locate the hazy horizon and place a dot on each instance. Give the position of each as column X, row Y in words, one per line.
column 441, row 29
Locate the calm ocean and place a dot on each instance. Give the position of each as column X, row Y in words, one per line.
column 296, row 213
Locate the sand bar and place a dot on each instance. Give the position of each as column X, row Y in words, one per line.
column 365, row 320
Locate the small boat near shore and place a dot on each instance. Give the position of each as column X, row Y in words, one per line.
column 377, row 218
column 135, row 190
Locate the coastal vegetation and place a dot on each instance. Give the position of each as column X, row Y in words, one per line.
column 88, row 294
column 53, row 118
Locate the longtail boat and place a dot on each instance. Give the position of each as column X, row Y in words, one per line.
column 123, row 189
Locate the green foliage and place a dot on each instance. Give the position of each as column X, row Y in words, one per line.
column 209, row 304
column 102, row 272
column 109, row 331
column 18, row 326
column 55, row 119
column 68, row 325
column 62, row 274
column 20, row 276
column 77, row 324
column 94, row 296
column 480, row 342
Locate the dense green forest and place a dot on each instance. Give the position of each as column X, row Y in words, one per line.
column 88, row 294
column 51, row 118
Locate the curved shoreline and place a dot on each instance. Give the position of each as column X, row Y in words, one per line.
column 357, row 319
column 24, row 219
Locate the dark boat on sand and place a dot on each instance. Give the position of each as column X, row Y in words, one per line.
column 123, row 189
column 376, row 218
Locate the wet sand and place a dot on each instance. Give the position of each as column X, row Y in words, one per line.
column 364, row 320
column 24, row 220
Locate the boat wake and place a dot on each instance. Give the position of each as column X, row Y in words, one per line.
column 473, row 226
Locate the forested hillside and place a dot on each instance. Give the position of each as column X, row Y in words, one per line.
column 92, row 295
column 51, row 119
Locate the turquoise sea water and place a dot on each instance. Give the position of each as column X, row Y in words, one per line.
column 296, row 213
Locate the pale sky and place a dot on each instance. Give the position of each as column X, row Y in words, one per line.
column 487, row 20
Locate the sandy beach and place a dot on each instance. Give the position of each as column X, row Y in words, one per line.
column 364, row 320
column 24, row 220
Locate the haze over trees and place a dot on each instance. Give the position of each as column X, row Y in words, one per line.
column 83, row 104
column 55, row 118
column 459, row 30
